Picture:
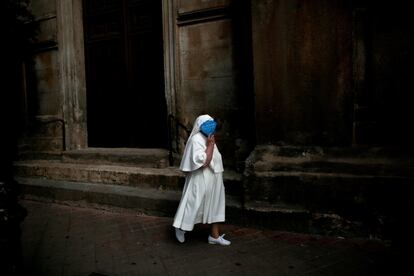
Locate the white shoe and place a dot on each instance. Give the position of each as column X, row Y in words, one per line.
column 220, row 240
column 179, row 234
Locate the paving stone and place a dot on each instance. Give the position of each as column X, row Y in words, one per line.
column 82, row 241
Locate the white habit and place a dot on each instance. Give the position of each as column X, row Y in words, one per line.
column 203, row 198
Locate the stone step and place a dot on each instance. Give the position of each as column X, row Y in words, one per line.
column 169, row 178
column 140, row 157
column 318, row 160
column 156, row 202
column 355, row 167
column 39, row 155
column 330, row 152
column 345, row 194
column 295, row 218
column 343, row 188
column 146, row 200
column 277, row 216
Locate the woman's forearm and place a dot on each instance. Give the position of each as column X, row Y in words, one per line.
column 209, row 152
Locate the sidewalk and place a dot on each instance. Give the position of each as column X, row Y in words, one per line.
column 65, row 240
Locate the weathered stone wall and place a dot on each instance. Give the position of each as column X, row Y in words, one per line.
column 210, row 75
column 42, row 89
column 332, row 95
column 332, row 73
column 325, row 73
column 303, row 71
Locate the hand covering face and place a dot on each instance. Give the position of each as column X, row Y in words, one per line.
column 194, row 153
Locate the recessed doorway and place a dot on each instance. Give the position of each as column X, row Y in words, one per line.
column 126, row 104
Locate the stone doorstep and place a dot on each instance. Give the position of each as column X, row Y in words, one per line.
column 39, row 155
column 356, row 197
column 289, row 217
column 154, row 202
column 141, row 157
column 169, row 178
column 320, row 188
column 146, row 200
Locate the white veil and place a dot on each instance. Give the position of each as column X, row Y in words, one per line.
column 186, row 162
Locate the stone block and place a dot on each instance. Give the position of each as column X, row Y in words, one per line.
column 364, row 190
column 47, row 34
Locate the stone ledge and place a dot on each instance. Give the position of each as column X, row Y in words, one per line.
column 364, row 190
column 170, row 178
column 146, row 200
column 369, row 161
column 144, row 158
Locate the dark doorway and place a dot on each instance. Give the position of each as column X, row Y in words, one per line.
column 125, row 73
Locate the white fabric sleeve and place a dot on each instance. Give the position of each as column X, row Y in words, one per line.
column 195, row 155
column 199, row 155
column 200, row 158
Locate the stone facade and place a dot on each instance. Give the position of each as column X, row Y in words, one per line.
column 306, row 94
column 204, row 73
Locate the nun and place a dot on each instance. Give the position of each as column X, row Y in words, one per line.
column 203, row 198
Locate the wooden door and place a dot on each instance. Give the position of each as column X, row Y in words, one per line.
column 125, row 74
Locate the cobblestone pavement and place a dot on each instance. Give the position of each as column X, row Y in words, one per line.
column 66, row 240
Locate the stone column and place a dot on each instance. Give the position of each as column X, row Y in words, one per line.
column 72, row 72
column 168, row 22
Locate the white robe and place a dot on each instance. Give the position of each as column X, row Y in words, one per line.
column 203, row 198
